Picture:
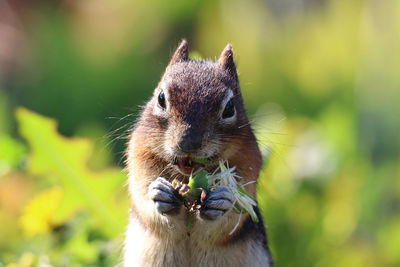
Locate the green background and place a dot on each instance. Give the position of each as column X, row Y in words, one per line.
column 321, row 83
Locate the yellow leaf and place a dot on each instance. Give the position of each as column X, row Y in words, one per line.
column 38, row 214
column 66, row 159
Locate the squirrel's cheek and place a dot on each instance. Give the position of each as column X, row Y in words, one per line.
column 229, row 150
column 170, row 139
column 167, row 149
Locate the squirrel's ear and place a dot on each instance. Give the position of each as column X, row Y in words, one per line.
column 181, row 53
column 226, row 60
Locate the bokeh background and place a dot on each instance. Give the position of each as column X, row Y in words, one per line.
column 321, row 82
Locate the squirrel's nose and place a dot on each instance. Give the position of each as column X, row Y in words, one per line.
column 190, row 141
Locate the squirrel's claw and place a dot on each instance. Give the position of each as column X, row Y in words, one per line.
column 217, row 203
column 166, row 199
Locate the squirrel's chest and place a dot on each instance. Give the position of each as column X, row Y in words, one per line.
column 145, row 249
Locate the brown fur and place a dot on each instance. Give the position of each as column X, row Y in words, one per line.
column 195, row 90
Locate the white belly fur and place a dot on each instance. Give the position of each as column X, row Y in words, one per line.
column 143, row 249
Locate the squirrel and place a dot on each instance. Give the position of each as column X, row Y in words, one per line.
column 196, row 110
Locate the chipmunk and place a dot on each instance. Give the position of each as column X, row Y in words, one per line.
column 196, row 111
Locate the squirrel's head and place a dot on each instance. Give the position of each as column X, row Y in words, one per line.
column 196, row 112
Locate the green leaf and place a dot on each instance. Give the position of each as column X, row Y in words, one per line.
column 254, row 217
column 244, row 192
column 238, row 209
column 199, row 181
column 66, row 158
column 201, row 161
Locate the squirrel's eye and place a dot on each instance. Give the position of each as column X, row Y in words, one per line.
column 161, row 100
column 229, row 110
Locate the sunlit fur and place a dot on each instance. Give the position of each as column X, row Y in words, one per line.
column 195, row 90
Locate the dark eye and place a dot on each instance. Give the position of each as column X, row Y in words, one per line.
column 161, row 100
column 229, row 110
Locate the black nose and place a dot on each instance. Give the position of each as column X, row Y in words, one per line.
column 191, row 141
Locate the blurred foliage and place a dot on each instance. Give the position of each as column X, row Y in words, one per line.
column 73, row 212
column 320, row 80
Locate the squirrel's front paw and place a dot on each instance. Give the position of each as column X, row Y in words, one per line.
column 217, row 203
column 165, row 197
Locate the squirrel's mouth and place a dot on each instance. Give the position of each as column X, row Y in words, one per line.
column 187, row 165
